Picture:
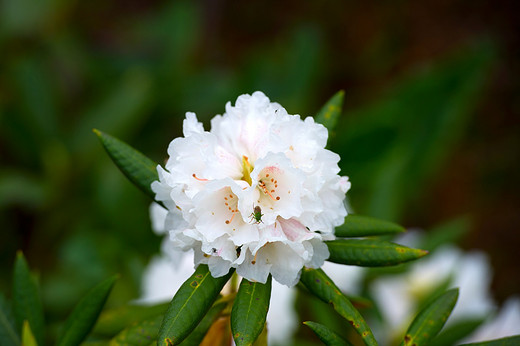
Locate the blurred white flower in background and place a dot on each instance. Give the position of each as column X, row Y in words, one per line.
column 259, row 192
column 398, row 296
column 164, row 275
column 505, row 323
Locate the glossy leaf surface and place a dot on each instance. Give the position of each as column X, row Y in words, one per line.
column 198, row 334
column 189, row 305
column 138, row 168
column 319, row 284
column 370, row 252
column 250, row 311
column 430, row 320
column 364, row 226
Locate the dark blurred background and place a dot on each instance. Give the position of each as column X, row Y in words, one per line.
column 430, row 131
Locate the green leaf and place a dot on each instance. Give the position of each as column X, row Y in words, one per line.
column 139, row 169
column 84, row 316
column 27, row 335
column 508, row 341
column 189, row 305
column 371, row 252
column 8, row 334
column 363, row 226
column 250, row 311
column 429, row 321
column 330, row 112
column 112, row 321
column 319, row 284
column 456, row 332
column 326, row 335
column 140, row 333
column 198, row 334
column 27, row 303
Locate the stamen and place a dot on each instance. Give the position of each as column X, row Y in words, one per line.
column 254, row 259
column 229, row 221
column 266, row 191
column 199, row 179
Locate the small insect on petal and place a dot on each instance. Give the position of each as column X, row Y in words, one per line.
column 256, row 215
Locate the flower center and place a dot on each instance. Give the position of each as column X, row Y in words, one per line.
column 268, row 185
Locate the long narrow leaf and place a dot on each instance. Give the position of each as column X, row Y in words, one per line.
column 328, row 115
column 195, row 338
column 364, row 226
column 250, row 311
column 326, row 335
column 8, row 334
column 27, row 303
column 189, row 305
column 370, row 252
column 507, row 341
column 319, row 284
column 85, row 314
column 138, row 168
column 428, row 323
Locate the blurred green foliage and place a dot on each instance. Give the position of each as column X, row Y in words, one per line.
column 65, row 71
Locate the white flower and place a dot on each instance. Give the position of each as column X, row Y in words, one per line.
column 505, row 323
column 164, row 275
column 399, row 296
column 259, row 192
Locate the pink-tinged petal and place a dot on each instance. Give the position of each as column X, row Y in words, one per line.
column 295, row 230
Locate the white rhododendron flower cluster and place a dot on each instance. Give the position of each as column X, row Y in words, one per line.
column 258, row 192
